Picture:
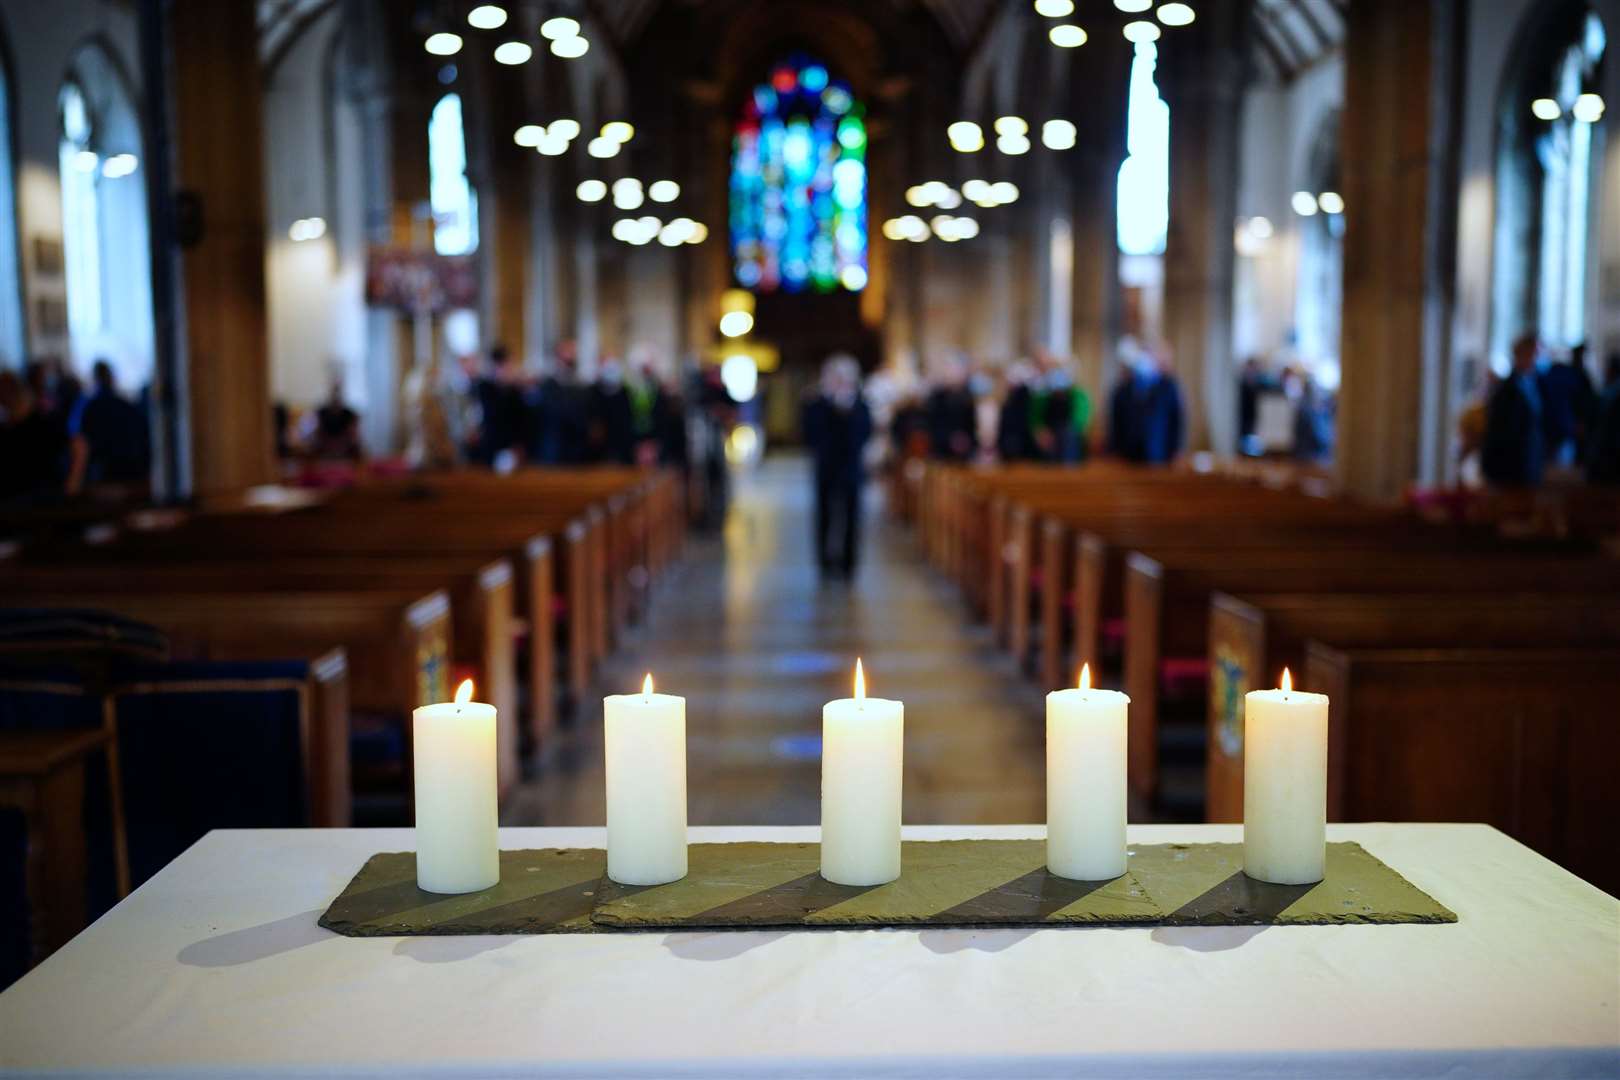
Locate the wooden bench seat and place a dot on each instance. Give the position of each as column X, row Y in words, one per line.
column 1167, row 596
column 1523, row 739
column 1253, row 637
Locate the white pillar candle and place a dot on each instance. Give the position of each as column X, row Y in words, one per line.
column 1285, row 749
column 453, row 745
column 1085, row 782
column 645, row 739
column 862, row 759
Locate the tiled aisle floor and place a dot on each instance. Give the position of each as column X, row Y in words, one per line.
column 748, row 631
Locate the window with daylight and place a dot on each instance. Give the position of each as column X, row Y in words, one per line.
column 455, row 204
column 1564, row 151
column 1144, row 178
column 81, row 216
column 798, row 185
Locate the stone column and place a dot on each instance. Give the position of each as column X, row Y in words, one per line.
column 219, row 171
column 1099, row 86
column 1400, row 198
column 1200, row 76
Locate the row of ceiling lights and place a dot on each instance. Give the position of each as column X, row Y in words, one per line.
column 628, row 192
column 112, row 167
column 564, row 34
column 1012, row 135
column 945, row 226
column 981, row 193
column 1306, row 204
column 555, row 138
column 646, row 229
column 1072, row 36
column 1587, row 109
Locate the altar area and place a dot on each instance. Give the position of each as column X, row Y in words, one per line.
column 217, row 967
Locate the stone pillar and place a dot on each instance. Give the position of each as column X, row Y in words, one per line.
column 1099, row 86
column 1400, row 196
column 219, row 171
column 1200, row 76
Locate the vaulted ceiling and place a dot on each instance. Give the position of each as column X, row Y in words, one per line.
column 1291, row 35
column 963, row 20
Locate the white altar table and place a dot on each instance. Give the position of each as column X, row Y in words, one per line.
column 216, row 967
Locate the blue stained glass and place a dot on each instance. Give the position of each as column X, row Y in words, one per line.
column 798, row 184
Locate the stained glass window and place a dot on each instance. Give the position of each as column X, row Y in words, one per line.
column 798, row 184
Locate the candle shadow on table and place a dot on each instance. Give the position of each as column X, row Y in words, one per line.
column 726, row 945
column 1229, row 915
column 449, row 949
column 253, row 943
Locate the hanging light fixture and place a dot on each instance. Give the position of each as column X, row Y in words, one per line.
column 1067, row 36
column 512, row 53
column 487, row 17
column 966, row 137
column 1141, row 32
column 1058, row 135
column 443, row 43
column 1176, row 14
column 1546, row 109
column 1588, row 109
column 1054, row 9
column 570, row 48
column 591, row 191
column 559, row 28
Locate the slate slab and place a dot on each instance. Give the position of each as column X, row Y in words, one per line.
column 944, row 883
column 1204, row 885
column 548, row 891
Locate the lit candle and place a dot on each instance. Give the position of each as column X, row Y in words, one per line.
column 457, row 848
column 862, row 757
column 1285, row 735
column 1085, row 782
column 645, row 740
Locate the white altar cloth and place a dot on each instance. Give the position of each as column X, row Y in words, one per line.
column 216, row 967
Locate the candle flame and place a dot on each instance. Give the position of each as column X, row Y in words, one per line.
column 646, row 685
column 464, row 692
column 1085, row 676
column 1287, row 681
column 860, row 682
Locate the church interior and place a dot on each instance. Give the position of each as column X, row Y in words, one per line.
column 459, row 458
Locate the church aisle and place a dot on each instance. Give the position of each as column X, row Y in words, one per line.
column 756, row 641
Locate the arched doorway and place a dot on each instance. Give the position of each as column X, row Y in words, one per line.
column 1551, row 135
column 104, row 217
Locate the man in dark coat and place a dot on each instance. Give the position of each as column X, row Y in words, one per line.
column 836, row 427
column 116, row 432
column 1514, row 452
column 1145, row 414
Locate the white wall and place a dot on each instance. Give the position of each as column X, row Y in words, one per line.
column 316, row 287
column 1280, row 127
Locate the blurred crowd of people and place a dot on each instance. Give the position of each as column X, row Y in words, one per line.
column 1546, row 416
column 59, row 438
column 1035, row 410
column 626, row 415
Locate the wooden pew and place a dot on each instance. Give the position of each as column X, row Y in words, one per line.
column 1167, row 596
column 1522, row 739
column 389, row 535
column 482, row 603
column 398, row 641
column 1253, row 637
